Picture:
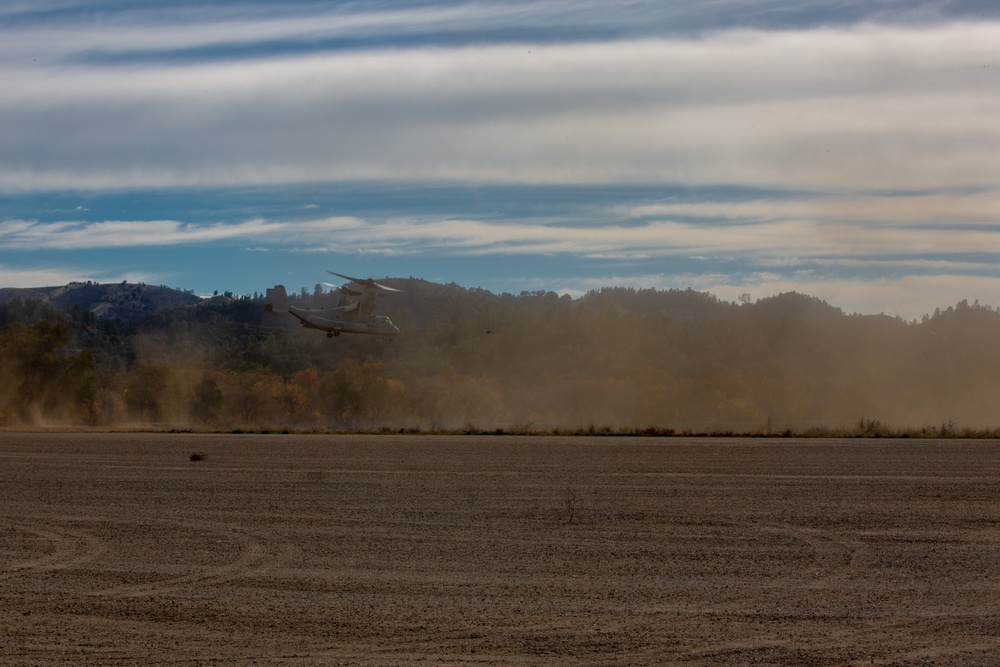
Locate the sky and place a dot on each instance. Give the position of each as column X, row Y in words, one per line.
column 847, row 149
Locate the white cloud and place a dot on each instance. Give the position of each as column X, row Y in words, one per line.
column 43, row 277
column 65, row 235
column 908, row 209
column 865, row 107
column 19, row 277
column 763, row 241
column 148, row 27
column 768, row 239
column 908, row 296
column 152, row 29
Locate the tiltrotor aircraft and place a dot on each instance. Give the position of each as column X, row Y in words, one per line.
column 358, row 316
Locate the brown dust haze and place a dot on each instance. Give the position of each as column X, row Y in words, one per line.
column 614, row 360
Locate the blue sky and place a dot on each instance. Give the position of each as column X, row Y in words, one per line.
column 849, row 150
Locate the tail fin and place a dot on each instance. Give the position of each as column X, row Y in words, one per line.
column 276, row 300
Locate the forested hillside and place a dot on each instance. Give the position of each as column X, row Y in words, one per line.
column 616, row 358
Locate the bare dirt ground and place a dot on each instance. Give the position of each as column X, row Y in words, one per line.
column 313, row 550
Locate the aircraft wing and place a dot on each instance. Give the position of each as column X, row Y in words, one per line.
column 342, row 310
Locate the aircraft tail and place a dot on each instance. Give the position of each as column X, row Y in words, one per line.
column 276, row 300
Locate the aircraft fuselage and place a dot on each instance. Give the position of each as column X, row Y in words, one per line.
column 327, row 320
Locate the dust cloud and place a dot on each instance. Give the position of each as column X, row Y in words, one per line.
column 617, row 360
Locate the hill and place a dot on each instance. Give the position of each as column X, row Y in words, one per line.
column 118, row 301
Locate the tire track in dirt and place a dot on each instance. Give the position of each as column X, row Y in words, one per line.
column 252, row 561
column 837, row 556
column 71, row 548
column 75, row 548
column 979, row 653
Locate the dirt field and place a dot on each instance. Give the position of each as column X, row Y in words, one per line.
column 314, row 550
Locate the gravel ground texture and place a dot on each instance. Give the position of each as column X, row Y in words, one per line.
column 119, row 549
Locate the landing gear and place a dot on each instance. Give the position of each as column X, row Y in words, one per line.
column 331, row 334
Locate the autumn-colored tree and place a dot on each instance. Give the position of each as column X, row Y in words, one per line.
column 355, row 392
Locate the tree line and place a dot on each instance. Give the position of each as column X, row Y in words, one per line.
column 616, row 359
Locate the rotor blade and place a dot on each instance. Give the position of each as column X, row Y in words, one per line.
column 354, row 280
column 368, row 282
column 342, row 288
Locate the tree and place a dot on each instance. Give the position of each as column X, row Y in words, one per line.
column 38, row 379
column 356, row 391
column 146, row 390
column 205, row 401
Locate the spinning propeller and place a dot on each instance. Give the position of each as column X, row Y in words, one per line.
column 368, row 282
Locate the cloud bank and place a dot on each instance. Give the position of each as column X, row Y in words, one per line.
column 866, row 107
